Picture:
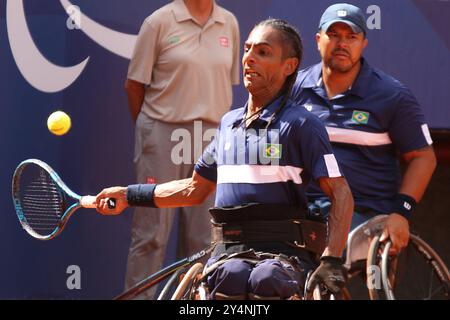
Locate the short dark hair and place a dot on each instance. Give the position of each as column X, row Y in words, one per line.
column 292, row 44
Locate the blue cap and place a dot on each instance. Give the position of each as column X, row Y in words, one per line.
column 346, row 13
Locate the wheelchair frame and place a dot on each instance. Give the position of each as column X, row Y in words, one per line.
column 362, row 244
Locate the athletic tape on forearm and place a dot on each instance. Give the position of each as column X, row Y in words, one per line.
column 141, row 195
column 404, row 205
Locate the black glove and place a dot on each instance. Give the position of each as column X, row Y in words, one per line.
column 330, row 273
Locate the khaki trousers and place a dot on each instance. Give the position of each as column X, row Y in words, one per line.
column 157, row 157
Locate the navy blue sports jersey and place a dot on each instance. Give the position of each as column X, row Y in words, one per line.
column 368, row 125
column 255, row 165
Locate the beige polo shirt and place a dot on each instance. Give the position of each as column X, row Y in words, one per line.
column 189, row 70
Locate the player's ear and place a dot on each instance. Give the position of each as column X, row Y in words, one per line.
column 290, row 65
column 366, row 43
column 318, row 36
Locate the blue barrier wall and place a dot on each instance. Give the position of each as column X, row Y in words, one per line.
column 413, row 45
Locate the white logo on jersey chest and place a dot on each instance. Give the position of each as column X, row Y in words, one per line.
column 308, row 106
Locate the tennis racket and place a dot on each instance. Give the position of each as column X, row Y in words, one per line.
column 42, row 200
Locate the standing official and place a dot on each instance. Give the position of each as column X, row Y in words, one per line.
column 184, row 64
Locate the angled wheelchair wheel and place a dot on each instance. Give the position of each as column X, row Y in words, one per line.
column 417, row 273
column 184, row 289
column 171, row 285
column 373, row 270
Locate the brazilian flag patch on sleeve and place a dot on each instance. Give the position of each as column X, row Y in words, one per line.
column 360, row 117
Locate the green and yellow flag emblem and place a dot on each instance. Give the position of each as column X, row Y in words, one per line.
column 273, row 150
column 360, row 117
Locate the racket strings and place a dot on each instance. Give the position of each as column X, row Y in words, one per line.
column 42, row 202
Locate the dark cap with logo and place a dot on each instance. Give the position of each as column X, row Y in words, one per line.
column 346, row 13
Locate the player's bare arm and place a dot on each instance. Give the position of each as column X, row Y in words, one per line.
column 420, row 167
column 135, row 92
column 330, row 271
column 174, row 194
column 340, row 216
column 183, row 193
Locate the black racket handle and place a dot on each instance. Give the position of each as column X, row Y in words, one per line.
column 111, row 203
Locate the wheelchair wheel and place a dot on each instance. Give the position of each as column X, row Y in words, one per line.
column 417, row 273
column 171, row 285
column 184, row 288
column 373, row 280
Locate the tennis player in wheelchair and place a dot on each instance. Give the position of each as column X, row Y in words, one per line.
column 260, row 162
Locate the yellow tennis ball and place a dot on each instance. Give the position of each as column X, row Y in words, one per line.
column 59, row 123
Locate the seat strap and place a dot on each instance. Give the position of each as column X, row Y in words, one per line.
column 306, row 234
